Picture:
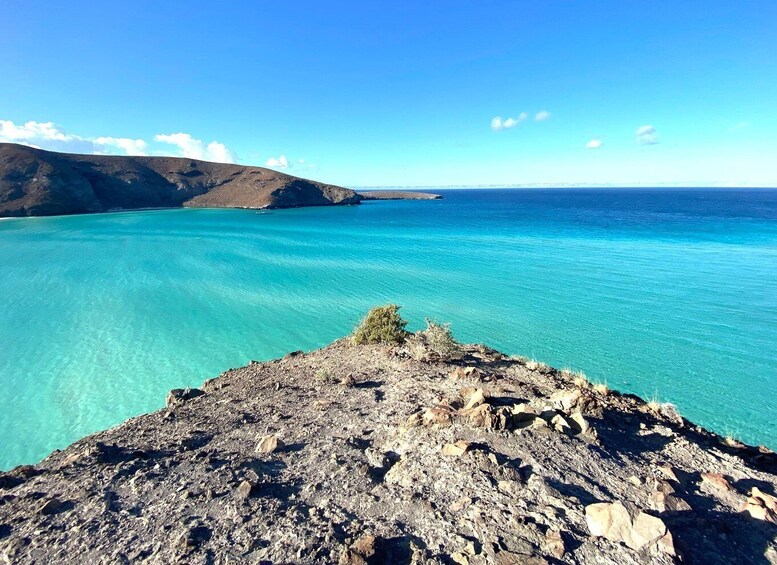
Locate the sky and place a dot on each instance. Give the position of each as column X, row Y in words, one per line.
column 403, row 93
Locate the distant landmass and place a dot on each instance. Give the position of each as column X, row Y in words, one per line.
column 398, row 195
column 35, row 182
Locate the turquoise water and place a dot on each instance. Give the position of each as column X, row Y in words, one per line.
column 662, row 293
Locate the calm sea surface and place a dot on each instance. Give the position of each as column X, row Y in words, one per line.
column 665, row 293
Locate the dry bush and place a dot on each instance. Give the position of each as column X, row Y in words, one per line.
column 434, row 342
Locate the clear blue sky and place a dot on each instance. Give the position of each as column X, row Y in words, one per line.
column 405, row 93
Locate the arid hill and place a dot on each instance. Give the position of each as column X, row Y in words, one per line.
column 408, row 453
column 34, row 182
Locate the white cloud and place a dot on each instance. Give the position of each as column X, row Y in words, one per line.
column 45, row 131
column 594, row 144
column 497, row 123
column 542, row 115
column 48, row 135
column 129, row 146
column 647, row 135
column 193, row 148
column 278, row 163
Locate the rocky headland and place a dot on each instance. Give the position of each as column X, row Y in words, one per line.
column 34, row 182
column 404, row 452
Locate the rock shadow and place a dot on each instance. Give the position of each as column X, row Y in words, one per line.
column 705, row 537
column 619, row 435
column 568, row 489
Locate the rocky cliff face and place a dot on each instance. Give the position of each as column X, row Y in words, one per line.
column 377, row 454
column 34, row 182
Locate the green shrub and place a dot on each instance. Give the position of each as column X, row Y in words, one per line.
column 325, row 376
column 382, row 324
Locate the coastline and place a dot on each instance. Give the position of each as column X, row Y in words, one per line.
column 358, row 437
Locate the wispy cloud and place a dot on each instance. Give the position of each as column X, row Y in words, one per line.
column 542, row 115
column 193, row 148
column 497, row 123
column 48, row 135
column 647, row 135
column 594, row 144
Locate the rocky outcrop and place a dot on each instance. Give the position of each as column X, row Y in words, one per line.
column 34, row 182
column 364, row 454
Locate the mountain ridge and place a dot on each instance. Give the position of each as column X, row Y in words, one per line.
column 36, row 182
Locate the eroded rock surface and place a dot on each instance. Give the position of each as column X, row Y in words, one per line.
column 486, row 459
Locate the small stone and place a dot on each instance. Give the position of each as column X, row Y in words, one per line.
column 348, row 382
column 466, row 373
column 612, row 521
column 608, row 520
column 565, row 399
column 716, row 481
column 268, row 444
column 560, row 424
column 769, row 501
column 455, row 449
column 245, row 489
column 647, row 530
column 191, row 537
column 555, row 543
column 441, row 414
column 669, row 472
column 51, row 506
column 477, row 416
column 668, row 503
column 359, row 552
column 180, row 395
column 414, row 420
column 510, row 488
column 756, row 508
column 460, row 504
column 636, row 481
column 476, row 399
column 663, row 486
column 523, row 414
column 582, row 424
column 460, row 558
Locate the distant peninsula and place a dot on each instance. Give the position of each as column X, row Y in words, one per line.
column 397, row 195
column 35, row 182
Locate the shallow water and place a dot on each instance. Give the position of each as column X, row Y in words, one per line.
column 664, row 293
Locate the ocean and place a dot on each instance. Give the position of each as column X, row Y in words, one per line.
column 667, row 293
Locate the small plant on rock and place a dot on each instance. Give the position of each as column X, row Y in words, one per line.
column 325, row 377
column 601, row 388
column 534, row 365
column 435, row 342
column 416, row 347
column 581, row 380
column 440, row 341
column 654, row 405
column 382, row 324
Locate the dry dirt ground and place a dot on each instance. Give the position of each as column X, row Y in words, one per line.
column 364, row 454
